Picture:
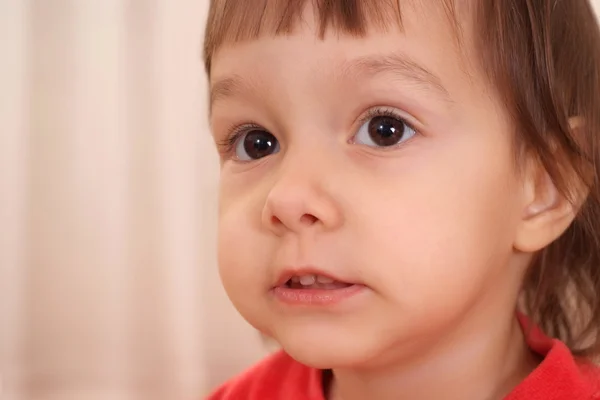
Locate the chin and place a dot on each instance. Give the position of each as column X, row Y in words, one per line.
column 329, row 351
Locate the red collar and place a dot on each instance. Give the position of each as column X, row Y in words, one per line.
column 559, row 376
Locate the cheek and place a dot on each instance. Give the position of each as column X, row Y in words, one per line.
column 445, row 229
column 234, row 252
column 240, row 239
column 241, row 260
column 239, row 249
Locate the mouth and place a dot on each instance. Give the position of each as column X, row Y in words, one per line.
column 311, row 288
column 314, row 281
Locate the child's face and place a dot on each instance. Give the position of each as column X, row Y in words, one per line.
column 327, row 175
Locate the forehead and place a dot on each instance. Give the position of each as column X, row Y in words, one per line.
column 426, row 48
column 232, row 21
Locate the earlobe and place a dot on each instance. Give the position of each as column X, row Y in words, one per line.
column 544, row 218
column 547, row 212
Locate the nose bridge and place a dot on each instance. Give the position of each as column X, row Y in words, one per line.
column 299, row 196
column 296, row 184
column 301, row 166
column 306, row 166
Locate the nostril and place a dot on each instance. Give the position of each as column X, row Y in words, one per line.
column 308, row 219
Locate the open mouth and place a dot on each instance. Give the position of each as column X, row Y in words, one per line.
column 311, row 281
column 306, row 289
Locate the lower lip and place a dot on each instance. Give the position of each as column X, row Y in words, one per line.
column 315, row 297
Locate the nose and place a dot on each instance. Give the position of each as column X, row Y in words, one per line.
column 299, row 202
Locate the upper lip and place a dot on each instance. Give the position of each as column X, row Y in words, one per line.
column 288, row 273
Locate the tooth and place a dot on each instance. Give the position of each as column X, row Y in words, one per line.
column 307, row 280
column 324, row 279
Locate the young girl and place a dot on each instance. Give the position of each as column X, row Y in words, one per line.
column 409, row 199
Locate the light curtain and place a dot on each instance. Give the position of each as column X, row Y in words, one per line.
column 108, row 283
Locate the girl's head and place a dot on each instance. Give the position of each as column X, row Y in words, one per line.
column 441, row 153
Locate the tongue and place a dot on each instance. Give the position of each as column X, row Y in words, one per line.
column 318, row 285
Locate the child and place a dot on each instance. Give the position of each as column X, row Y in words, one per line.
column 409, row 199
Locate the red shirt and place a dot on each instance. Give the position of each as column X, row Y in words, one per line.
column 558, row 377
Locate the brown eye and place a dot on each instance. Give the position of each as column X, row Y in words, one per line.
column 255, row 145
column 383, row 131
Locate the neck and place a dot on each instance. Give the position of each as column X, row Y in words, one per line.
column 486, row 363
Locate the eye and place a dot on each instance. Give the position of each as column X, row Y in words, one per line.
column 384, row 129
column 255, row 144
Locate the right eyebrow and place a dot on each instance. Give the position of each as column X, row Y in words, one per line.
column 227, row 87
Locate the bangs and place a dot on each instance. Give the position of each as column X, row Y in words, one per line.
column 232, row 21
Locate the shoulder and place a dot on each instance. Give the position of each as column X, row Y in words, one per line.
column 577, row 377
column 276, row 377
column 591, row 373
column 561, row 375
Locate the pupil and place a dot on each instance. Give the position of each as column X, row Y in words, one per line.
column 259, row 144
column 386, row 131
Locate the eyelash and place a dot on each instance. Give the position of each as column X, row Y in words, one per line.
column 227, row 145
column 385, row 112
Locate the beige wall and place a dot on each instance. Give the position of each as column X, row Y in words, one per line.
column 108, row 283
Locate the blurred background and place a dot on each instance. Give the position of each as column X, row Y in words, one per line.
column 108, row 181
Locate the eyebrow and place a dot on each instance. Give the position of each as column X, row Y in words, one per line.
column 227, row 87
column 397, row 64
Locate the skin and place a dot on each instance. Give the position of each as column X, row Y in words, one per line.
column 439, row 228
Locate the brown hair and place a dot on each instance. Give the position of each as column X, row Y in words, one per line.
column 543, row 59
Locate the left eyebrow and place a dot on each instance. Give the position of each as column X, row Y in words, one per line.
column 398, row 64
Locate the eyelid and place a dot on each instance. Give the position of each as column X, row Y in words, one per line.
column 388, row 111
column 234, row 134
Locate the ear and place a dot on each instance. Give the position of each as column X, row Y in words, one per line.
column 547, row 213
